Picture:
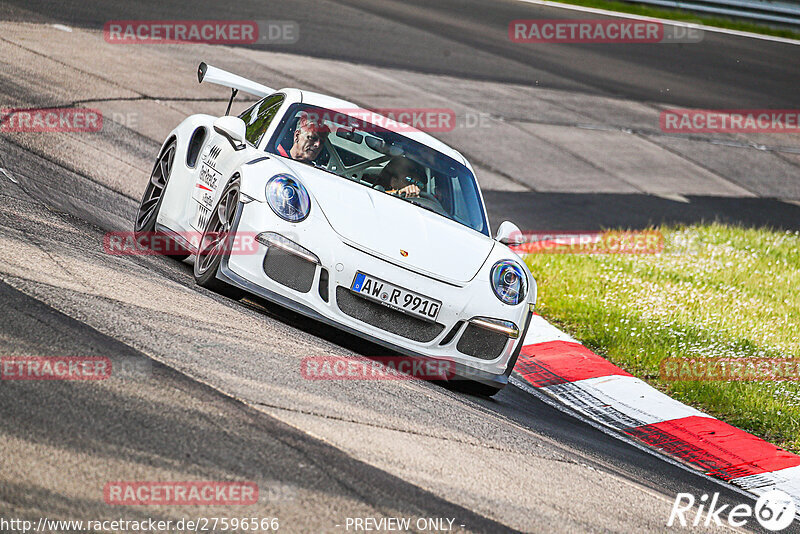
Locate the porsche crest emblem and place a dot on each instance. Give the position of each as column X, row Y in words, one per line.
column 403, row 253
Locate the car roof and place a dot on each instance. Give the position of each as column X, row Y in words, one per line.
column 330, row 102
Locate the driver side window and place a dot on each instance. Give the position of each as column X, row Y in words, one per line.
column 258, row 117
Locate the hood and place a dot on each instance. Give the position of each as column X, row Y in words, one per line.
column 386, row 226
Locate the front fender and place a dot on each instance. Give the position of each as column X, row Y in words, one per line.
column 183, row 132
column 173, row 213
column 256, row 173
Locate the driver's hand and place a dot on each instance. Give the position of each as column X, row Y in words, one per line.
column 409, row 191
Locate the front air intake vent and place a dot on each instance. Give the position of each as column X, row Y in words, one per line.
column 386, row 318
column 481, row 343
column 289, row 270
column 288, row 263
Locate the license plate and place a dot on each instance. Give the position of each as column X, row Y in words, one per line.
column 396, row 297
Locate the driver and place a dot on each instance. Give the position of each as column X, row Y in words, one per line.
column 308, row 139
column 401, row 176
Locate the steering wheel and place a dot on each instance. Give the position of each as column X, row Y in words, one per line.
column 422, row 194
column 428, row 196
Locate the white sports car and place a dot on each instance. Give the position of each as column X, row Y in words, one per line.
column 371, row 226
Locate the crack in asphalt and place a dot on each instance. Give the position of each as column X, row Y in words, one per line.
column 72, row 275
column 8, row 175
column 88, row 74
column 3, row 168
column 65, row 166
column 675, row 152
column 40, row 244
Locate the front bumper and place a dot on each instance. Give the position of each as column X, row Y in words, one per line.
column 341, row 261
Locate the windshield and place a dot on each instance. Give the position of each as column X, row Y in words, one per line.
column 387, row 161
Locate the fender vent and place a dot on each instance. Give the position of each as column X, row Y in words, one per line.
column 195, row 144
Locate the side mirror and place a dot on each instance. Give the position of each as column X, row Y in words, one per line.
column 232, row 129
column 509, row 234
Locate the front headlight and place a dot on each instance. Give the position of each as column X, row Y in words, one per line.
column 288, row 198
column 509, row 282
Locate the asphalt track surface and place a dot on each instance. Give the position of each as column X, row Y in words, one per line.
column 217, row 395
column 726, row 71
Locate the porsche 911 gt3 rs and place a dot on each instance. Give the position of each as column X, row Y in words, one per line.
column 362, row 223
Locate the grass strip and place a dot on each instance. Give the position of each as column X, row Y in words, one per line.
column 716, row 291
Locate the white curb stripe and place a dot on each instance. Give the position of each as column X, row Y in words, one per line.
column 540, row 331
column 631, row 397
column 786, row 480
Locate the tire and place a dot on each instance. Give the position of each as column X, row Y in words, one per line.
column 213, row 243
column 150, row 204
column 477, row 389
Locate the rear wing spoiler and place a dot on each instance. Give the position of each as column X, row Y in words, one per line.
column 211, row 74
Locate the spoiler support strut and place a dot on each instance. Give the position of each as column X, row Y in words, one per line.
column 236, row 83
column 230, row 102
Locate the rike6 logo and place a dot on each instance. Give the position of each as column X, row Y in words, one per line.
column 774, row 510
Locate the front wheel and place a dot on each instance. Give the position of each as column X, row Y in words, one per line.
column 214, row 244
column 145, row 225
